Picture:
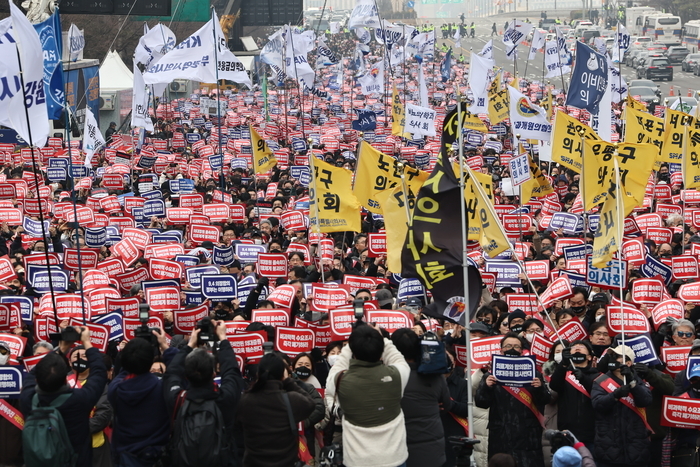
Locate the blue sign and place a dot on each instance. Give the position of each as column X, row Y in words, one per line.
column 249, row 253
column 49, row 32
column 216, row 161
column 26, row 305
column 575, row 252
column 115, row 322
column 246, row 284
column 33, row 228
column 409, row 288
column 223, row 256
column 159, row 283
column 653, row 267
column 11, row 377
column 219, row 286
column 513, row 371
column 593, row 222
column 153, row 207
column 299, row 145
column 58, row 163
column 239, row 163
column 295, row 171
column 79, row 171
column 570, row 223
column 305, row 178
column 193, row 137
column 366, row 121
column 168, row 236
column 193, row 297
column 40, row 280
column 95, row 238
column 194, row 274
column 589, row 80
column 608, row 277
column 56, row 174
column 187, row 260
column 153, row 194
column 422, row 159
column 643, row 349
column 146, row 162
column 507, row 271
column 693, row 364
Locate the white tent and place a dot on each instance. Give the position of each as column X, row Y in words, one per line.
column 114, row 75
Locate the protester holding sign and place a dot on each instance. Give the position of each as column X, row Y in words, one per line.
column 515, row 414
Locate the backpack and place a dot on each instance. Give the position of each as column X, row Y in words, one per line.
column 44, row 438
column 199, row 435
column 433, row 357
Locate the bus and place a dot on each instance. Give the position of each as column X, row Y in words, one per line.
column 691, row 34
column 663, row 27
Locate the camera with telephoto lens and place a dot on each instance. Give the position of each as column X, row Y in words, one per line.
column 463, row 448
column 143, row 331
column 69, row 334
column 331, row 455
column 207, row 332
column 558, row 439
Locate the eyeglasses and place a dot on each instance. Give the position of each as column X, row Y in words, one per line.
column 601, row 334
column 511, row 346
column 684, row 334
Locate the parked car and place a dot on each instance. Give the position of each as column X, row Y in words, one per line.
column 676, row 54
column 689, row 62
column 645, row 83
column 646, row 94
column 655, row 68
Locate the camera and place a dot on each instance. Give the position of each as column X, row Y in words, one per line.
column 207, row 333
column 143, row 331
column 558, row 439
column 69, row 334
column 463, row 448
column 332, row 455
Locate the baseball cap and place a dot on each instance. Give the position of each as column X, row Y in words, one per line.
column 413, row 301
column 479, row 327
column 384, row 297
column 600, row 297
column 566, row 457
column 624, row 350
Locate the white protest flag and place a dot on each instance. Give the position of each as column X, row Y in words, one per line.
column 420, row 121
column 552, row 60
column 602, row 123
column 297, row 66
column 422, row 88
column 140, row 101
column 527, row 119
column 19, row 35
column 273, row 52
column 392, row 32
column 516, row 33
column 480, row 72
column 92, row 138
column 335, row 27
column 487, row 51
column 76, row 41
column 153, row 45
column 537, row 43
column 618, row 85
column 365, row 14
column 373, row 80
column 325, row 56
column 363, row 35
column 621, row 44
column 196, row 59
column 397, row 55
column 458, row 39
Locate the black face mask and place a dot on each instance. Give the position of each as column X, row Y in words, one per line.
column 696, row 385
column 303, row 372
column 578, row 357
column 512, row 353
column 578, row 309
column 518, row 328
column 221, row 314
column 80, row 365
column 614, row 365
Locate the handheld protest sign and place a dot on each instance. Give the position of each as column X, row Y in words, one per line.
column 127, row 307
column 16, row 344
column 88, row 258
column 513, row 371
column 327, row 298
column 634, row 320
column 643, row 349
column 573, row 331
column 11, row 377
column 131, row 278
column 272, row 265
column 675, row 358
column 186, row 320
column 608, row 277
column 376, row 243
column 271, row 317
column 248, row 344
column 165, row 269
column 163, row 298
column 482, row 349
column 541, row 348
column 647, row 291
column 667, row 309
column 391, row 320
column 98, row 299
column 194, row 274
column 680, row 412
column 524, row 301
column 219, row 287
column 341, row 320
column 293, row 341
column 115, row 323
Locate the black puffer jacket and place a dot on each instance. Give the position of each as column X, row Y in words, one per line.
column 513, row 428
column 621, row 436
column 575, row 410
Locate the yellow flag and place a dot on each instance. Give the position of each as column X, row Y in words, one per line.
column 332, row 205
column 473, row 122
column 499, row 106
column 397, row 114
column 377, row 172
column 691, row 160
column 263, row 157
column 395, row 224
column 537, row 186
column 546, row 103
column 633, row 103
column 566, row 141
column 636, row 162
column 674, row 125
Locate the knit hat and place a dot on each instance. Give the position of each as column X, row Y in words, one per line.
column 518, row 313
column 566, row 457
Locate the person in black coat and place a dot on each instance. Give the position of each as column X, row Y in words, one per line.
column 575, row 410
column 457, row 386
column 513, row 428
column 48, row 380
column 196, row 376
column 622, row 437
column 424, row 397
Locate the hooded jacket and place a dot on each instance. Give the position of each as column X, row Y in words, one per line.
column 575, row 408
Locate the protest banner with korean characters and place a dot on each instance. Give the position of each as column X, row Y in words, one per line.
column 272, row 265
column 573, row 331
column 537, row 270
column 203, row 233
column 675, row 358
column 270, row 317
column 376, row 244
column 165, row 269
column 482, row 350
column 163, row 298
column 87, row 260
column 643, row 349
column 186, row 320
column 16, row 344
column 219, row 287
column 249, row 253
column 524, row 301
column 11, row 378
column 341, row 321
column 248, row 344
column 114, row 321
column 513, row 371
column 283, row 296
column 293, row 341
column 541, row 348
column 391, row 320
column 634, row 320
column 194, row 274
column 673, row 308
column 648, row 291
column 608, row 277
column 326, row 298
column 680, row 412
column 684, row 267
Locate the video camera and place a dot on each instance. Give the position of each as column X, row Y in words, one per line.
column 558, row 439
column 69, row 334
column 331, row 455
column 207, row 331
column 463, row 448
column 143, row 331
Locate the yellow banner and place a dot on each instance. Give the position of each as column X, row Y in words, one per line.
column 398, row 115
column 332, row 205
column 643, row 127
column 635, row 104
column 566, row 141
column 499, row 109
column 263, row 157
column 691, row 161
column 377, row 172
column 546, row 104
column 395, row 224
column 473, row 122
column 674, row 125
column 538, row 185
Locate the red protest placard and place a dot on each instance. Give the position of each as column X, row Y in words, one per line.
column 127, row 280
column 541, row 347
column 271, row 317
column 376, row 244
column 675, row 358
column 564, row 242
column 359, row 282
column 129, row 306
column 489, row 279
column 165, row 298
column 645, row 221
column 673, row 308
column 88, row 258
column 67, row 306
column 16, row 344
column 341, row 320
column 659, row 234
column 43, row 326
column 690, row 292
column 11, row 216
column 391, row 320
column 524, row 301
column 30, row 362
column 98, row 299
column 573, row 331
column 10, row 316
column 293, row 341
column 7, row 271
column 99, row 336
column 218, row 212
column 680, row 412
column 537, row 270
column 167, row 251
column 130, row 325
column 684, row 267
column 559, row 289
column 113, row 181
column 127, row 250
column 192, row 201
column 85, row 215
column 165, row 269
column 237, row 213
column 647, row 291
column 634, row 323
column 272, row 265
column 140, row 237
column 634, row 251
column 111, row 266
column 293, row 220
column 94, row 278
column 248, row 344
column 283, row 296
column 327, row 298
column 202, row 233
column 482, row 349
column 178, row 216
column 186, row 320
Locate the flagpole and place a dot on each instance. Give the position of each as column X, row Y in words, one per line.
column 465, row 265
column 312, row 166
column 296, row 73
column 35, row 168
column 222, row 182
column 516, row 149
column 582, row 182
column 620, row 230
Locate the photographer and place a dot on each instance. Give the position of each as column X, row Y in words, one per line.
column 568, row 450
column 189, row 381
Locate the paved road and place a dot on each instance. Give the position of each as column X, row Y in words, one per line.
column 681, row 79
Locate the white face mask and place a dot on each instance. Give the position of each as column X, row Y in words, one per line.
column 599, row 317
column 332, row 359
column 4, row 359
column 557, row 357
column 529, row 336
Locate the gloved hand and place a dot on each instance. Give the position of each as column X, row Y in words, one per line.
column 627, row 371
column 566, row 356
column 641, row 369
column 263, row 282
column 622, row 391
column 570, row 436
column 578, row 373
